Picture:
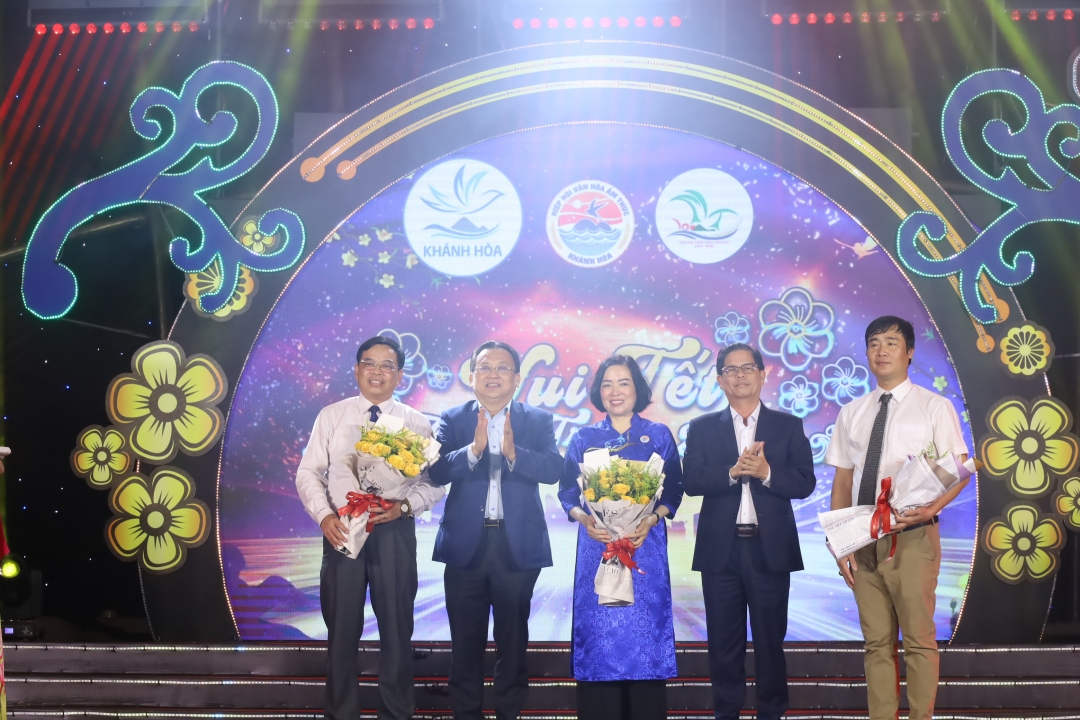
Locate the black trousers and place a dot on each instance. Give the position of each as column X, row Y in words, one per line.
column 747, row 583
column 491, row 584
column 387, row 565
column 622, row 700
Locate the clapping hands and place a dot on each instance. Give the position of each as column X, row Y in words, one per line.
column 752, row 462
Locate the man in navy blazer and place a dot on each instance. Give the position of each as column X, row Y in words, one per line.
column 749, row 463
column 493, row 537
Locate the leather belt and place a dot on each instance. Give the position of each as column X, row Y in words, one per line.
column 932, row 521
column 746, row 531
column 492, row 523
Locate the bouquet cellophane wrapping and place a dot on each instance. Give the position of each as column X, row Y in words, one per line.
column 614, row 583
column 364, row 473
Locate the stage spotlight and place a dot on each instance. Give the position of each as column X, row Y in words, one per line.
column 865, row 17
column 341, row 25
column 830, row 18
column 623, row 22
column 605, row 22
column 587, row 22
column 552, row 23
column 142, row 27
column 376, row 24
column 794, row 19
column 640, row 21
column 74, row 28
column 159, row 26
column 811, row 19
column 882, row 16
column 899, row 17
column 429, row 23
column 41, row 29
column 534, row 23
column 848, row 19
column 393, row 23
column 176, row 26
column 411, row 23
column 518, row 23
column 358, row 24
column 1067, row 15
column 57, row 29
column 193, row 26
column 1051, row 15
column 10, row 567
column 324, row 25
column 676, row 21
column 658, row 21
column 570, row 22
column 935, row 16
column 125, row 27
column 1015, row 14
column 91, row 29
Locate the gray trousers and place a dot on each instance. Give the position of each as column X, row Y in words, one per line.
column 387, row 565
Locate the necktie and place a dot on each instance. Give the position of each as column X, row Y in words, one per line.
column 868, row 481
column 373, row 411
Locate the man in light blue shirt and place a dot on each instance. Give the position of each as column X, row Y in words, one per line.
column 493, row 537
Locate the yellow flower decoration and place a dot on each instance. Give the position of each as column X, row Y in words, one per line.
column 1026, row 350
column 364, row 240
column 254, row 240
column 1024, row 544
column 97, row 457
column 167, row 402
column 1067, row 502
column 411, row 261
column 383, row 235
column 1028, row 442
column 387, row 281
column 209, row 280
column 157, row 519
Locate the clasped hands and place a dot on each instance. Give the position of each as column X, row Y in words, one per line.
column 637, row 537
column 480, row 439
column 337, row 532
column 752, row 462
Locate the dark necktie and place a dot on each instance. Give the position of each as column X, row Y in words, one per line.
column 374, row 412
column 868, row 481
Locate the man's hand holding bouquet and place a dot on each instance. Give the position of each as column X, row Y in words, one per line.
column 389, row 460
column 619, row 494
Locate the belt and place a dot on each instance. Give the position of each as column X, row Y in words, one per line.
column 493, row 523
column 932, row 521
column 746, row 531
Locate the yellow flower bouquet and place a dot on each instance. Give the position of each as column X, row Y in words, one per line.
column 619, row 493
column 389, row 460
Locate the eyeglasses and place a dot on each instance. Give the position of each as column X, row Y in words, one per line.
column 733, row 370
column 371, row 366
column 502, row 371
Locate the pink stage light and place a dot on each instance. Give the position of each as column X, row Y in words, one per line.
column 74, row 28
column 899, row 17
column 177, row 27
column 358, row 24
column 193, row 26
column 605, row 22
column 935, row 16
column 341, row 25
column 865, row 17
column 848, row 19
column 376, row 24
column 41, row 29
column 1068, row 15
column 777, row 19
column 108, row 28
column 1051, row 15
column 324, row 25
column 658, row 21
column 58, row 29
column 676, row 21
column 570, row 22
column 794, row 19
column 534, row 23
column 159, row 26
column 411, row 23
column 518, row 23
column 811, row 19
column 393, row 23
column 125, row 28
column 882, row 17
column 829, row 18
column 429, row 23
column 587, row 22
column 623, row 22
column 91, row 29
column 553, row 23
column 640, row 21
column 1015, row 14
column 1033, row 15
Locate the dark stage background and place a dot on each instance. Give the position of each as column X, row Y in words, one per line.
column 896, row 76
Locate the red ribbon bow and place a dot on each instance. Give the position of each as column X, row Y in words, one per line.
column 624, row 550
column 881, row 520
column 359, row 503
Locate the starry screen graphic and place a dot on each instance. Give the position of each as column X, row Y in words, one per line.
column 571, row 243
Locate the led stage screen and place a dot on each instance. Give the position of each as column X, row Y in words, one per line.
column 573, row 242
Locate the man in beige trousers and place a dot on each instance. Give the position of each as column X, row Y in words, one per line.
column 874, row 436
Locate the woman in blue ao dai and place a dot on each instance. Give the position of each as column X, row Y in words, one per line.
column 623, row 656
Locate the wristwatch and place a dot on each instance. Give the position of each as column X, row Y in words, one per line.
column 406, row 508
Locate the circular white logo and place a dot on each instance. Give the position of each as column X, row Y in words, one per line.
column 704, row 216
column 462, row 217
column 590, row 223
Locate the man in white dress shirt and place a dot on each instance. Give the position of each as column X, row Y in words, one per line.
column 387, row 562
column 874, row 436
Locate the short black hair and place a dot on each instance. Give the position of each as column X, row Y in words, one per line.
column 641, row 388
column 495, row 345
column 885, row 323
column 382, row 340
column 721, row 356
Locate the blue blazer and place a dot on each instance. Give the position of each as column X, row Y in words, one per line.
column 711, row 452
column 538, row 461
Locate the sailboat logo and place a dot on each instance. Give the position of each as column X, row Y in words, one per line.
column 704, row 215
column 462, row 217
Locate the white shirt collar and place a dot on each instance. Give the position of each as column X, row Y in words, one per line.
column 385, row 407
column 752, row 420
column 898, row 393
